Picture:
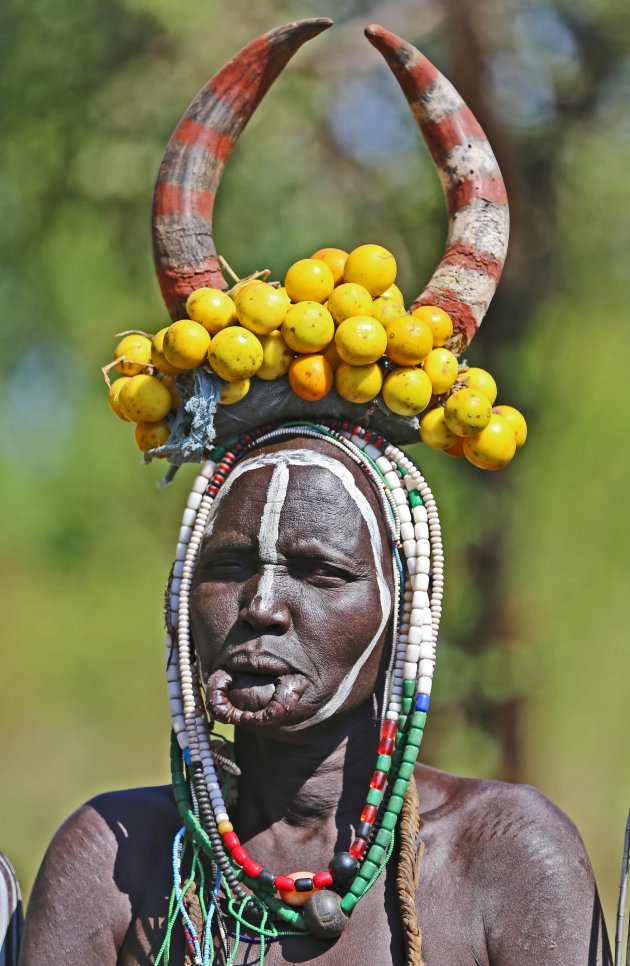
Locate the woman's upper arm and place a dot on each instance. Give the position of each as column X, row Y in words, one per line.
column 76, row 914
column 541, row 903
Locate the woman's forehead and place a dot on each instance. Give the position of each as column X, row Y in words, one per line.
column 300, row 491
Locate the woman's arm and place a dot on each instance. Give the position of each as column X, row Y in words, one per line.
column 539, row 899
column 76, row 915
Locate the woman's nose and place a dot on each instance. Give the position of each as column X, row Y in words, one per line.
column 267, row 608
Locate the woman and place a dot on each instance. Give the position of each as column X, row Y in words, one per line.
column 303, row 609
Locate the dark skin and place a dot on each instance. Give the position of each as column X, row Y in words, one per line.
column 505, row 878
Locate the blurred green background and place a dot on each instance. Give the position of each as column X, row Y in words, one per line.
column 534, row 669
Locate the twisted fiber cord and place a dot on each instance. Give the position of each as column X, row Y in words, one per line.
column 411, row 851
column 193, row 908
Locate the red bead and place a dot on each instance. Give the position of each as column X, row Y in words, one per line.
column 322, row 880
column 251, row 868
column 368, row 814
column 389, row 729
column 357, row 430
column 378, row 780
column 386, row 746
column 239, row 854
column 231, row 840
column 358, row 848
column 284, row 883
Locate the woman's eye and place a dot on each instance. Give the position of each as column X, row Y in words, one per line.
column 226, row 569
column 319, row 574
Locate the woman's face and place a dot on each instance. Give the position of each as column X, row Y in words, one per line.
column 292, row 595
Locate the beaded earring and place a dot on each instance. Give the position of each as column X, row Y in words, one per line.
column 305, row 904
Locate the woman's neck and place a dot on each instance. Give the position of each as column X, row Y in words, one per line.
column 321, row 778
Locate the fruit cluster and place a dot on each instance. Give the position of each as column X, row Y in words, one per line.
column 338, row 320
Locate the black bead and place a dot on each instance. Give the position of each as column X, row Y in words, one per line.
column 266, row 878
column 304, row 884
column 324, row 916
column 343, row 867
column 364, row 830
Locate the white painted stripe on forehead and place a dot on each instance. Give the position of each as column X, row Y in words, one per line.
column 305, row 457
column 269, row 528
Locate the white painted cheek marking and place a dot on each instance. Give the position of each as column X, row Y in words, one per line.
column 307, row 458
column 268, row 533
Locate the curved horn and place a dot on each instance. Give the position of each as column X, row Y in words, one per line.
column 466, row 278
column 190, row 172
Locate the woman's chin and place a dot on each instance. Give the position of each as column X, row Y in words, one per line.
column 256, row 699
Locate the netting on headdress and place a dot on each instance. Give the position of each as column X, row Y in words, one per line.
column 201, row 422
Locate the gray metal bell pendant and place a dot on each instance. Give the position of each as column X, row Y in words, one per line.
column 324, row 916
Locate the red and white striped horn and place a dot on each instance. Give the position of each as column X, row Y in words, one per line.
column 190, row 172
column 466, row 278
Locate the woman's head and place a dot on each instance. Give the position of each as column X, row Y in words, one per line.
column 293, row 590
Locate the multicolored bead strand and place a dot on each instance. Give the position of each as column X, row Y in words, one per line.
column 409, row 509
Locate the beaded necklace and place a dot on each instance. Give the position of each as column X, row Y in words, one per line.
column 306, row 903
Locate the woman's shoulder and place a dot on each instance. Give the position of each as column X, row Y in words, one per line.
column 100, row 859
column 487, row 811
column 520, row 857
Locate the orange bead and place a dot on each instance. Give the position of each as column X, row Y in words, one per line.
column 295, row 898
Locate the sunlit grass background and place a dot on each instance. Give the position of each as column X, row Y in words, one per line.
column 90, row 94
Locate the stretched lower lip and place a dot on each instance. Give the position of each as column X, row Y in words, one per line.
column 236, row 697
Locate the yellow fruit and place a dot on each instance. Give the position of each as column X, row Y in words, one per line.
column 150, row 435
column 371, row 266
column 360, row 340
column 386, row 310
column 441, row 367
column 482, row 381
column 515, row 419
column 234, row 392
column 261, row 309
column 311, row 376
column 309, row 280
column 240, row 287
column 235, row 353
column 137, row 350
column 335, row 258
column 112, row 397
column 308, row 327
column 394, row 293
column 284, row 292
column 169, row 382
column 358, row 384
column 440, row 322
column 409, row 340
column 407, row 391
column 457, row 451
column 349, row 300
column 277, row 356
column 493, row 447
column 467, row 412
column 212, row 308
column 158, row 358
column 330, row 353
column 434, row 431
column 185, row 344
column 145, row 399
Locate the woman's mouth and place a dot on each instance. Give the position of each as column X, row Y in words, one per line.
column 250, row 696
column 251, row 692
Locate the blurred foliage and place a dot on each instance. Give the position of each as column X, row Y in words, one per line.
column 532, row 682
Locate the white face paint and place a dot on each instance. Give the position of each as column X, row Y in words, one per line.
column 268, row 538
column 268, row 533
